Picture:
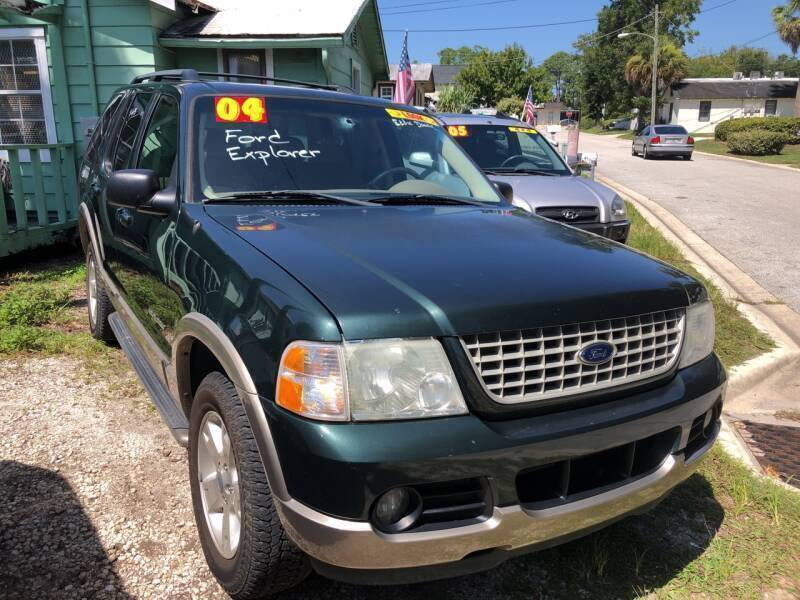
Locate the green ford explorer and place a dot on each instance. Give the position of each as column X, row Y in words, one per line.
column 382, row 370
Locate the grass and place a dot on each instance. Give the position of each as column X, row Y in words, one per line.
column 737, row 339
column 790, row 156
column 620, row 133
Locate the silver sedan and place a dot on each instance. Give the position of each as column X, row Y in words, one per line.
column 663, row 140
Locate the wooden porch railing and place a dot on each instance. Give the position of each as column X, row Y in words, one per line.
column 41, row 203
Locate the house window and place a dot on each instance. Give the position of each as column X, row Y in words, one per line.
column 770, row 107
column 705, row 111
column 26, row 108
column 244, row 62
column 354, row 39
column 356, row 78
column 386, row 92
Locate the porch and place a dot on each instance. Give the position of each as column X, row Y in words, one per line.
column 38, row 195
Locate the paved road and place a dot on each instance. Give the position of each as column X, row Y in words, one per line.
column 750, row 213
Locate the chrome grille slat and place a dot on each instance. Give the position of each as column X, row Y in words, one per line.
column 541, row 363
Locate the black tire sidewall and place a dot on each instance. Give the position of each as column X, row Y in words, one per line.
column 225, row 569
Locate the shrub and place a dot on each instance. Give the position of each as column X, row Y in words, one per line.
column 789, row 126
column 512, row 105
column 757, row 142
column 455, row 99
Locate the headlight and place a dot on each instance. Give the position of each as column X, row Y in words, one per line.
column 369, row 380
column 618, row 207
column 698, row 341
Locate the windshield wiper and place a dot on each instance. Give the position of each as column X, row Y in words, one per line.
column 256, row 197
column 400, row 199
column 523, row 170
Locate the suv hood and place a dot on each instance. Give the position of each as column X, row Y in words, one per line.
column 541, row 190
column 418, row 271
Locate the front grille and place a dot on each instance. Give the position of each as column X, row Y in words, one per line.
column 542, row 363
column 570, row 214
column 568, row 480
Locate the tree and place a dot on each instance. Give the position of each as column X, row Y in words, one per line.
column 564, row 68
column 509, row 72
column 604, row 56
column 458, row 56
column 455, row 99
column 511, row 106
column 752, row 59
column 672, row 67
column 788, row 65
column 787, row 22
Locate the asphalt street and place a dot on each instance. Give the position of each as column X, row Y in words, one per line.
column 748, row 212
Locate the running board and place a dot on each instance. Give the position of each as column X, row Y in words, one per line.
column 172, row 416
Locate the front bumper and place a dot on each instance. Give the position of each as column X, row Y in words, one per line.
column 617, row 230
column 669, row 149
column 334, row 472
column 356, row 545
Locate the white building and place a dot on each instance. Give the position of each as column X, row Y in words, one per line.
column 700, row 103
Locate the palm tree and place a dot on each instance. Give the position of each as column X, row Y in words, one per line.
column 787, row 22
column 672, row 67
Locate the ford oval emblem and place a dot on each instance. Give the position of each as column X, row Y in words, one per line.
column 596, row 353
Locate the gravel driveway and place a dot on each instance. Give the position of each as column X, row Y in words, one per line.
column 749, row 212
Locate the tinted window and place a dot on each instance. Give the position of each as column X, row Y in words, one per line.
column 509, row 148
column 127, row 135
column 100, row 130
column 770, row 107
column 670, row 129
column 347, row 148
column 160, row 142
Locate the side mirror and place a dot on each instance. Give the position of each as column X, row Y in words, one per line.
column 505, row 189
column 132, row 187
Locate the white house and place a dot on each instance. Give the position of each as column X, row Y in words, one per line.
column 700, row 103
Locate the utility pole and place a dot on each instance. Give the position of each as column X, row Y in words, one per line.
column 654, row 90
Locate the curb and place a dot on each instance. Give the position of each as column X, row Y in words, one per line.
column 757, row 305
column 747, row 160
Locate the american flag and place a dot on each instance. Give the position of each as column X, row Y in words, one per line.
column 527, row 111
column 404, row 86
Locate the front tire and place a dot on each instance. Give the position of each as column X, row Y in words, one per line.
column 633, row 150
column 97, row 301
column 242, row 537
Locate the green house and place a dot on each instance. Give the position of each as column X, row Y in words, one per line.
column 61, row 60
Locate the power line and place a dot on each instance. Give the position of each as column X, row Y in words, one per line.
column 537, row 25
column 420, row 4
column 426, row 10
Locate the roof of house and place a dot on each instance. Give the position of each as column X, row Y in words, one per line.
column 419, row 71
column 445, row 74
column 726, row 87
column 262, row 18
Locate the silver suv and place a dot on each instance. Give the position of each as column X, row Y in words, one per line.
column 513, row 152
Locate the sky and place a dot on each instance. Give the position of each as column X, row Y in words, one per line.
column 737, row 22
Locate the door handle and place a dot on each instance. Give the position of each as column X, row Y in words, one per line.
column 124, row 217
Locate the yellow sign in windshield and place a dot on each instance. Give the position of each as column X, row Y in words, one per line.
column 523, row 130
column 410, row 116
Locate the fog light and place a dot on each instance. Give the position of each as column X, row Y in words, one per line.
column 397, row 510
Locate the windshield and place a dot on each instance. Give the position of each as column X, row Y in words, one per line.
column 503, row 147
column 246, row 145
column 673, row 129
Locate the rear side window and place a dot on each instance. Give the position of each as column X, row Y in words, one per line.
column 127, row 135
column 671, row 130
column 101, row 129
column 160, row 142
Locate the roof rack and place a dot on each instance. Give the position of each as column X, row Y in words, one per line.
column 193, row 75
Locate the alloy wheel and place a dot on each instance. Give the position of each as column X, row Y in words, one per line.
column 219, row 484
column 91, row 279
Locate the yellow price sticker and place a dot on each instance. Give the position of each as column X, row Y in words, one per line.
column 240, row 109
column 457, row 130
column 523, row 130
column 411, row 116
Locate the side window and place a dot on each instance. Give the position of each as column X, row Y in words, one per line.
column 127, row 135
column 100, row 129
column 160, row 142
